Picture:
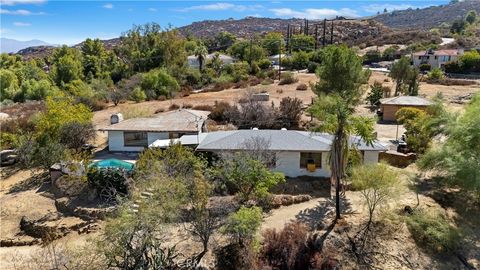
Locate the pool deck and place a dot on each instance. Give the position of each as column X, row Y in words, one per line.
column 125, row 156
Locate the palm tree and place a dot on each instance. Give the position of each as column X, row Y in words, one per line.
column 201, row 53
column 340, row 89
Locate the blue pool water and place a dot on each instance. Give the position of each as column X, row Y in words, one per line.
column 113, row 163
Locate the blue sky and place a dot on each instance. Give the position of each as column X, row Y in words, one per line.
column 69, row 22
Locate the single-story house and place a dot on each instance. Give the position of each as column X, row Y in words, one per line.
column 193, row 60
column 134, row 135
column 296, row 153
column 435, row 58
column 390, row 106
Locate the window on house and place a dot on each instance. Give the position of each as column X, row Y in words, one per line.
column 135, row 139
column 307, row 158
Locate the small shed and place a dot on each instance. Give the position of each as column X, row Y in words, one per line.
column 390, row 106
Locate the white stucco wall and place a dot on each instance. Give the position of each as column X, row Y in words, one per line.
column 435, row 63
column 289, row 164
column 116, row 143
column 370, row 157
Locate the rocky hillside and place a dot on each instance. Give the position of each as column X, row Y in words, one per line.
column 429, row 17
column 351, row 32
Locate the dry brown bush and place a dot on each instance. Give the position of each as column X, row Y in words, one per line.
column 173, row 107
column 302, row 87
column 203, row 107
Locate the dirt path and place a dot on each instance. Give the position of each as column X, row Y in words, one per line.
column 305, row 212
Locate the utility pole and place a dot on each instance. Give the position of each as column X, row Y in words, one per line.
column 250, row 55
column 316, row 36
column 288, row 35
column 279, row 59
column 331, row 34
column 324, row 30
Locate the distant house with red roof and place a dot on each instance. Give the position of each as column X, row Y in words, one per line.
column 435, row 58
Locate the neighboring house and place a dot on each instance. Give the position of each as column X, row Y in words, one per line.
column 390, row 106
column 193, row 60
column 297, row 153
column 136, row 134
column 436, row 59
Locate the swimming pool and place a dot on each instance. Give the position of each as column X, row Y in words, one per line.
column 113, row 163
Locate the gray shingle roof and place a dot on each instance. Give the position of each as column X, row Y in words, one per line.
column 181, row 120
column 279, row 140
column 406, row 101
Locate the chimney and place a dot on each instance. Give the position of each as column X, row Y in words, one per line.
column 116, row 118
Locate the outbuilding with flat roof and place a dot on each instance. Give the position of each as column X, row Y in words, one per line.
column 390, row 106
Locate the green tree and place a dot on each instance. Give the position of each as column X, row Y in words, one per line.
column 216, row 63
column 59, row 112
column 249, row 176
column 458, row 26
column 375, row 94
column 39, row 90
column 94, row 58
column 470, row 61
column 158, row 82
column 405, row 76
column 457, row 158
column 377, row 184
column 201, row 53
column 273, row 43
column 66, row 65
column 8, row 84
column 340, row 89
column 300, row 60
column 302, row 43
column 148, row 46
column 471, row 16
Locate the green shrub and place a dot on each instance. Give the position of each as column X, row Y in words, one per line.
column 425, row 67
column 452, row 67
column 109, row 182
column 375, row 94
column 243, row 224
column 287, row 78
column 264, row 63
column 138, row 95
column 158, row 82
column 433, row 231
column 312, row 67
column 300, row 60
column 436, row 74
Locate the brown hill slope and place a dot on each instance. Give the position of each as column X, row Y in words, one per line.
column 429, row 17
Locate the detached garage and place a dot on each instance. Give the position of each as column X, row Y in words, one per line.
column 390, row 106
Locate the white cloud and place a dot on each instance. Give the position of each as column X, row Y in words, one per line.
column 108, row 6
column 373, row 8
column 314, row 13
column 18, row 2
column 5, row 31
column 22, row 12
column 222, row 7
column 21, row 24
column 153, row 9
